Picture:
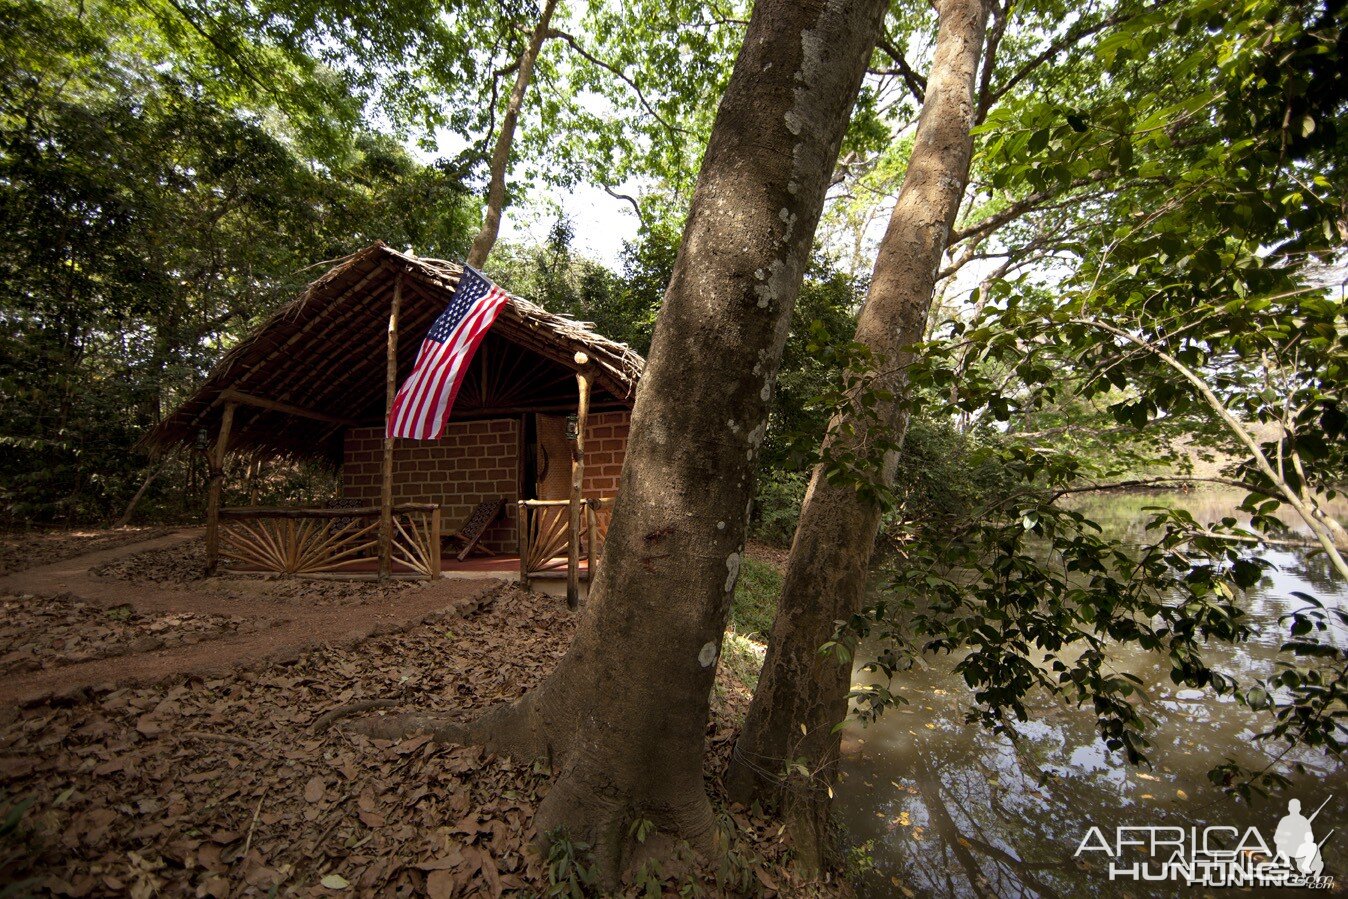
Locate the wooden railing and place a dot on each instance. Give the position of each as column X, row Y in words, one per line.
column 330, row 542
column 544, row 531
column 545, row 534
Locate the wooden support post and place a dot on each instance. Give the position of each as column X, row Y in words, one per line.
column 577, row 477
column 434, row 548
column 216, row 461
column 522, row 531
column 386, row 493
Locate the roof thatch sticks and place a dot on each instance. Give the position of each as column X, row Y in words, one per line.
column 316, row 357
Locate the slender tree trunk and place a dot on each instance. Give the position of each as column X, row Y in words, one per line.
column 826, row 573
column 135, row 500
column 500, row 155
column 624, row 715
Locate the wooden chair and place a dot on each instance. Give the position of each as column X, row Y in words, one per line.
column 475, row 525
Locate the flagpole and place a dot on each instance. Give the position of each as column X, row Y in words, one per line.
column 386, row 493
column 577, row 481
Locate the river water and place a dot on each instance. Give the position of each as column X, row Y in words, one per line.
column 938, row 807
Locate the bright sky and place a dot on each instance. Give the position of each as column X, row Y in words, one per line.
column 601, row 223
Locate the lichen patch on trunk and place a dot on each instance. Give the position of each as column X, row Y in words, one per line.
column 707, row 656
column 732, row 564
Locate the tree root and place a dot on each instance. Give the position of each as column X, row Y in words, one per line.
column 324, row 721
column 400, row 727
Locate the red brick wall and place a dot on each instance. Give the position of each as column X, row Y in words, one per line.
column 472, row 461
column 605, row 447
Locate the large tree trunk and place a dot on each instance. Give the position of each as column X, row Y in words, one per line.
column 826, row 573
column 500, row 155
column 624, row 715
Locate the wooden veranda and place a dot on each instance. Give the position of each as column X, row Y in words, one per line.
column 327, row 366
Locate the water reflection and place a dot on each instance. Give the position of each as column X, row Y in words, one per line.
column 943, row 808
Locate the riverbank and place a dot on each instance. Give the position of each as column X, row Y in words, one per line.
column 936, row 806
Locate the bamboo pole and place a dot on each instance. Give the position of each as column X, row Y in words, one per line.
column 235, row 396
column 391, row 384
column 216, row 461
column 522, row 531
column 433, row 562
column 577, row 477
column 286, row 512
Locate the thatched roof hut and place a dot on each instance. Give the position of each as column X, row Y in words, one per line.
column 316, row 367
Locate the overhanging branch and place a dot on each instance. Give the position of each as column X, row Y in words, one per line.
column 620, row 75
column 917, row 84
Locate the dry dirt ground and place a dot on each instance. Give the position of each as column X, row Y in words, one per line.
column 166, row 734
column 26, row 549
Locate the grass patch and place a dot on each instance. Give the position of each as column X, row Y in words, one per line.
column 755, row 601
column 751, row 614
column 743, row 656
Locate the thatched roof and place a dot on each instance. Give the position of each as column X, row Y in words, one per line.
column 324, row 354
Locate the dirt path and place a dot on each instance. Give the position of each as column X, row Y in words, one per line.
column 291, row 626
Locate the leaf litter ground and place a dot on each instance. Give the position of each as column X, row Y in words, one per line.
column 230, row 785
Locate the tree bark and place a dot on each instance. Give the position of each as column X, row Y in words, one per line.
column 500, row 155
column 826, row 571
column 623, row 717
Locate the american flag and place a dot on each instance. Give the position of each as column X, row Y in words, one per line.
column 423, row 402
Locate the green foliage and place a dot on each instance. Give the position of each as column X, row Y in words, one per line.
column 1161, row 196
column 822, row 324
column 777, row 505
column 1306, row 697
column 630, row 92
column 859, row 860
column 620, row 306
column 170, row 168
column 1308, row 694
column 945, row 478
column 1033, row 597
column 805, row 397
column 144, row 223
column 1156, row 201
column 755, row 602
column 1185, row 297
column 568, row 877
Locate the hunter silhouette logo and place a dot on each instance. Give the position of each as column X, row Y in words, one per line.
column 1217, row 856
column 1295, row 840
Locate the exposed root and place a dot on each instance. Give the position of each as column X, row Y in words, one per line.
column 399, row 727
column 326, row 720
column 520, row 729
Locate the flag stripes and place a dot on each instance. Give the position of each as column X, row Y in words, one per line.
column 424, row 401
